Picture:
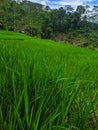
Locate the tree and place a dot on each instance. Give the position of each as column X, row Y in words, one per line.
column 74, row 20
column 69, row 8
column 80, row 9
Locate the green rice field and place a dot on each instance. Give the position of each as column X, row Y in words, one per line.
column 46, row 85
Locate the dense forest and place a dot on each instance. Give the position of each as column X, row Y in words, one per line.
column 76, row 26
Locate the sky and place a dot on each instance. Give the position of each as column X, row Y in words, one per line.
column 59, row 3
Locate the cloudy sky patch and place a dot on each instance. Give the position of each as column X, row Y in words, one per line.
column 59, row 3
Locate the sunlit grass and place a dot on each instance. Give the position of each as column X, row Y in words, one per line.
column 46, row 85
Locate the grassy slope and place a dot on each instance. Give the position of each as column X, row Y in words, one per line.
column 45, row 85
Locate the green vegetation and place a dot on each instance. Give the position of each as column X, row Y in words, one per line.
column 46, row 85
column 38, row 20
column 83, row 38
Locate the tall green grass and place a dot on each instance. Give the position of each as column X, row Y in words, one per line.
column 46, row 85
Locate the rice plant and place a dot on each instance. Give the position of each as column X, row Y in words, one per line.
column 46, row 85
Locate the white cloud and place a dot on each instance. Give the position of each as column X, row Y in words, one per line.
column 43, row 2
column 68, row 2
column 58, row 3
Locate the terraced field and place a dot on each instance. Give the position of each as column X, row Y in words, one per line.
column 46, row 85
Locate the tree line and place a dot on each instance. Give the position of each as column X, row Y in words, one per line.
column 39, row 20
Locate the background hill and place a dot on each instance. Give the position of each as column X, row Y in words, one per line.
column 38, row 20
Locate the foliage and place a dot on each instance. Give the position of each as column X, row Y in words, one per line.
column 38, row 20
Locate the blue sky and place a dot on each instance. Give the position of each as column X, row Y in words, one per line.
column 59, row 3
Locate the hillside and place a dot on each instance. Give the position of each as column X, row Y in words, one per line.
column 81, row 37
column 79, row 25
column 46, row 85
